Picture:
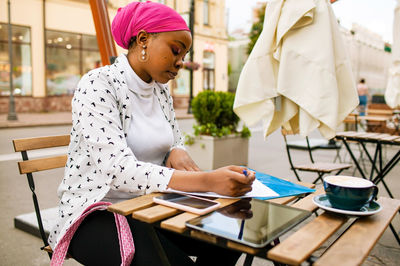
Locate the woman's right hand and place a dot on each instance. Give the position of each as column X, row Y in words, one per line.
column 230, row 180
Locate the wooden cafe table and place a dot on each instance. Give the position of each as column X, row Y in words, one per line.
column 375, row 121
column 298, row 247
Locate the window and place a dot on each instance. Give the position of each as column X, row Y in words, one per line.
column 181, row 83
column 22, row 62
column 208, row 70
column 205, row 12
column 69, row 56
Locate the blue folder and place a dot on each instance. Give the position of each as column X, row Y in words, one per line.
column 282, row 187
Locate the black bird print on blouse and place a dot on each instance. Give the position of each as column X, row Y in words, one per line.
column 101, row 116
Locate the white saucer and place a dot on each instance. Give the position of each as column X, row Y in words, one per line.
column 369, row 209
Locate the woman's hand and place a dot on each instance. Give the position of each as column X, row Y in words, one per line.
column 231, row 181
column 180, row 160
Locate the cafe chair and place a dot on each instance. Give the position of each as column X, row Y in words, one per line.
column 30, row 166
column 317, row 143
column 321, row 168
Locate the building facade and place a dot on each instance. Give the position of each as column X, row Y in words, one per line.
column 369, row 56
column 237, row 54
column 54, row 43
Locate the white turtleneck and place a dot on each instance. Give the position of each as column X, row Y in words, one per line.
column 150, row 135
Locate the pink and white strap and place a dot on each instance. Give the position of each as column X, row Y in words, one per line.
column 127, row 247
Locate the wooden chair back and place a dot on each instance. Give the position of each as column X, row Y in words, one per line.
column 28, row 166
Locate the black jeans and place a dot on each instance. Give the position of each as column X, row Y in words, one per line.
column 96, row 243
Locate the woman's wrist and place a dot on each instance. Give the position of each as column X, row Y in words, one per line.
column 190, row 181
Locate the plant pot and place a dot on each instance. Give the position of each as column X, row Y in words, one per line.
column 210, row 153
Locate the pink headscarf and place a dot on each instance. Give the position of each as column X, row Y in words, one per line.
column 149, row 16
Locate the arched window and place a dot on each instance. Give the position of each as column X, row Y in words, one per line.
column 208, row 70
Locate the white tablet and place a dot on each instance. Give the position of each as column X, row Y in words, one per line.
column 187, row 203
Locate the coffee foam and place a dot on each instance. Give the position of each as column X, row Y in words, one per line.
column 348, row 181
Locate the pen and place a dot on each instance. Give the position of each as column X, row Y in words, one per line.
column 242, row 223
column 241, row 230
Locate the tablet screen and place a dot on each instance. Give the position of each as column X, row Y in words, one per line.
column 251, row 222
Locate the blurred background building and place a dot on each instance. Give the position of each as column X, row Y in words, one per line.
column 370, row 56
column 54, row 43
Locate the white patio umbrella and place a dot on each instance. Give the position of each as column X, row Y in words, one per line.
column 392, row 93
column 298, row 74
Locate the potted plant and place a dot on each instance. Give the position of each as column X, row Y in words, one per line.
column 217, row 141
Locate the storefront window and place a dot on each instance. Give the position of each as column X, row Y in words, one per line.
column 69, row 56
column 22, row 63
column 208, row 70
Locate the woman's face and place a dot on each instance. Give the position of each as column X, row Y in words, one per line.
column 165, row 53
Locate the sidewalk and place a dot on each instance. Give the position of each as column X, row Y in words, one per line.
column 56, row 119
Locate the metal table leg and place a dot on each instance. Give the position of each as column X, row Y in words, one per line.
column 353, row 158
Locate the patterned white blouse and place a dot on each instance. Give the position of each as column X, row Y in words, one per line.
column 99, row 158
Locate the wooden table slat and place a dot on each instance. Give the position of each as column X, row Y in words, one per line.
column 243, row 248
column 203, row 236
column 389, row 138
column 361, row 135
column 379, row 136
column 178, row 222
column 284, row 200
column 373, row 118
column 128, row 206
column 369, row 135
column 346, row 133
column 307, row 203
column 374, row 136
column 300, row 245
column 154, row 214
column 356, row 243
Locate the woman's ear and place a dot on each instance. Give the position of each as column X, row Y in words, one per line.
column 142, row 37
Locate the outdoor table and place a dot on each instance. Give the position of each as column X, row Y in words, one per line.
column 377, row 163
column 375, row 121
column 381, row 112
column 297, row 248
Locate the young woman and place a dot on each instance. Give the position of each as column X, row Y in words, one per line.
column 125, row 142
column 363, row 94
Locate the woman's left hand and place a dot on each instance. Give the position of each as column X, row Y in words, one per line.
column 179, row 159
